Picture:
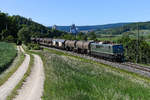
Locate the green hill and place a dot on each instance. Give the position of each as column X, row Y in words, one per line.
column 126, row 28
column 10, row 26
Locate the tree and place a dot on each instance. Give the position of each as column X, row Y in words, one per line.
column 24, row 35
column 4, row 34
column 68, row 36
column 92, row 36
column 131, row 51
column 81, row 36
column 10, row 38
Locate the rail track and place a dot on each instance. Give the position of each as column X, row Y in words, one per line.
column 128, row 66
column 137, row 66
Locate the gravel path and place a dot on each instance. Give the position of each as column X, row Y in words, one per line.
column 10, row 84
column 32, row 89
column 22, row 49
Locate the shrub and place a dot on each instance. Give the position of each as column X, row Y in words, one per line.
column 135, row 51
column 33, row 46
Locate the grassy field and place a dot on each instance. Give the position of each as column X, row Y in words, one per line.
column 7, row 54
column 70, row 78
column 132, row 34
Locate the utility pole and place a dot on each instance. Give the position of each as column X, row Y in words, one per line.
column 6, row 27
column 75, row 35
column 137, row 52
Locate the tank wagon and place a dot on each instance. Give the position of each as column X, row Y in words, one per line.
column 59, row 43
column 49, row 42
column 70, row 45
column 114, row 52
column 37, row 40
column 83, row 46
column 41, row 41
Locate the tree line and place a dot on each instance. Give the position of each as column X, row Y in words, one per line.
column 80, row 36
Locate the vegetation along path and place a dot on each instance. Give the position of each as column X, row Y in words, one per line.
column 9, row 85
column 33, row 87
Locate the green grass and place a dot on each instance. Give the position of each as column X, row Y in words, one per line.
column 19, row 85
column 93, row 62
column 7, row 54
column 72, row 78
column 13, row 67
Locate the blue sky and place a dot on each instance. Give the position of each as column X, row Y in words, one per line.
column 80, row 12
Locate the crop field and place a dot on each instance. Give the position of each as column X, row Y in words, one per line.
column 71, row 78
column 7, row 54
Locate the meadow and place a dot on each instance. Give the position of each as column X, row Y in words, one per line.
column 132, row 34
column 7, row 54
column 70, row 78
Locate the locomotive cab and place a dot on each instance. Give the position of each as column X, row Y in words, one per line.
column 119, row 52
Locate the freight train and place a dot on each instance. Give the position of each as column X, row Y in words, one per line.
column 108, row 51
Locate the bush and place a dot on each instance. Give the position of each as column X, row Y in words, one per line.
column 134, row 53
column 10, row 38
column 33, row 46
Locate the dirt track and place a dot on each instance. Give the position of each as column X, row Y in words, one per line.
column 10, row 84
column 33, row 87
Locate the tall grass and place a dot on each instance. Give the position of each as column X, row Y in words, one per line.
column 71, row 79
column 7, row 54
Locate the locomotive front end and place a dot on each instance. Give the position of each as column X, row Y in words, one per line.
column 118, row 52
